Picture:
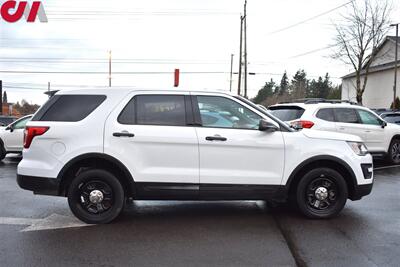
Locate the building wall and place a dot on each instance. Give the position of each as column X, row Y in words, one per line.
column 379, row 90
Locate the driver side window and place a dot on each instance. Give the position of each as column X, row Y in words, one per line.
column 221, row 112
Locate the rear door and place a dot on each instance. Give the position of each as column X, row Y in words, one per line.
column 152, row 135
column 373, row 130
column 348, row 121
column 234, row 155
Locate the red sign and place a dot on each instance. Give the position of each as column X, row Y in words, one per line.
column 176, row 82
column 13, row 11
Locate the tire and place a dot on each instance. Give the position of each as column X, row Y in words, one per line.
column 394, row 152
column 321, row 193
column 96, row 197
column 3, row 152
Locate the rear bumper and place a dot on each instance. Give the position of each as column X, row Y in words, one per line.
column 39, row 185
column 361, row 190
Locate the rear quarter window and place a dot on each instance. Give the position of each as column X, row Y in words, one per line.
column 287, row 113
column 326, row 114
column 69, row 108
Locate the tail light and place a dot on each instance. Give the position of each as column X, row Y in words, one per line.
column 32, row 131
column 302, row 124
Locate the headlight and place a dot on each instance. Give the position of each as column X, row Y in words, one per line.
column 358, row 148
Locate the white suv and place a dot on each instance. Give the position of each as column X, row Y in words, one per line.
column 12, row 137
column 381, row 138
column 100, row 147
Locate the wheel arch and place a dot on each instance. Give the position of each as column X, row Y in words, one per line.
column 322, row 161
column 95, row 160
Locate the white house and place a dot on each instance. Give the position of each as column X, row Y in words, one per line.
column 379, row 90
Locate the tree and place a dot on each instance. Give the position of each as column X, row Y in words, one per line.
column 299, row 86
column 25, row 108
column 5, row 97
column 335, row 92
column 396, row 104
column 320, row 88
column 357, row 38
column 265, row 92
column 284, row 85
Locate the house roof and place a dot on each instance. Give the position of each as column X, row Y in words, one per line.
column 381, row 67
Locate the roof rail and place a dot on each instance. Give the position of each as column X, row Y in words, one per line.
column 322, row 100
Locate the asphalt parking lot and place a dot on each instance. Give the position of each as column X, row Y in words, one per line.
column 41, row 231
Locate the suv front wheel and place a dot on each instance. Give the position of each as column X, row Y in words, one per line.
column 96, row 196
column 321, row 193
column 394, row 152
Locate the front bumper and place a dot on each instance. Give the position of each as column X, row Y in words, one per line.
column 361, row 190
column 39, row 185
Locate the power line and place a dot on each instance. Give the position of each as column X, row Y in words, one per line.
column 311, row 18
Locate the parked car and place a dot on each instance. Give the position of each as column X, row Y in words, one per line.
column 12, row 137
column 382, row 139
column 392, row 117
column 100, row 147
column 380, row 111
column 6, row 120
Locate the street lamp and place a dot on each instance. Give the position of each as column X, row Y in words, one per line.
column 395, row 63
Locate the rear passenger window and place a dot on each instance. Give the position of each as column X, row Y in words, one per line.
column 160, row 110
column 326, row 114
column 70, row 108
column 346, row 115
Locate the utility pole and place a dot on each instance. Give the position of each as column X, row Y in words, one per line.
column 240, row 54
column 1, row 97
column 245, row 49
column 230, row 81
column 395, row 63
column 109, row 69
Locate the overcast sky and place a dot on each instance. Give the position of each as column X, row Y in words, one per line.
column 161, row 35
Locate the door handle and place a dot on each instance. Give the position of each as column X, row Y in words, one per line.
column 123, row 134
column 367, row 131
column 341, row 128
column 216, row 138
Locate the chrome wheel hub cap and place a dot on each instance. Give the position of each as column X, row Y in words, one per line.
column 321, row 193
column 96, row 196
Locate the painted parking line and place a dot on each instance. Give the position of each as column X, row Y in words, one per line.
column 386, row 167
column 54, row 221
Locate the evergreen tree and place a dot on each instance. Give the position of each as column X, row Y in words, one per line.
column 299, row 86
column 5, row 97
column 284, row 85
column 265, row 92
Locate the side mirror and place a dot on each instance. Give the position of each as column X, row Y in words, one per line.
column 10, row 128
column 266, row 126
column 384, row 124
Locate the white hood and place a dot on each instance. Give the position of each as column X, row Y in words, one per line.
column 330, row 135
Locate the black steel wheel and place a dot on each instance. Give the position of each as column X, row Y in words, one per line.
column 96, row 196
column 394, row 152
column 321, row 193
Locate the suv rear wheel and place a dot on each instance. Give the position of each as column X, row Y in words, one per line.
column 96, row 196
column 321, row 193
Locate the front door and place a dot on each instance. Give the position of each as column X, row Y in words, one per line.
column 234, row 155
column 373, row 131
column 14, row 135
